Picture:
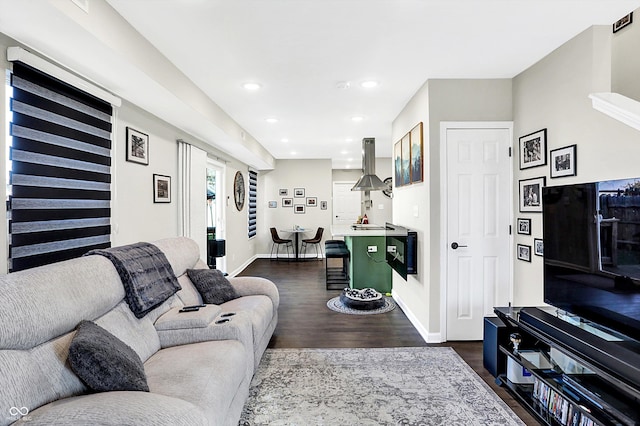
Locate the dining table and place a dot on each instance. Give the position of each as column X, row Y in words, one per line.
column 296, row 231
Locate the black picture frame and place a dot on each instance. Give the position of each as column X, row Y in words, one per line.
column 298, row 192
column 623, row 22
column 538, row 246
column 299, row 209
column 533, row 149
column 523, row 226
column 563, row 162
column 312, row 202
column 287, row 202
column 137, row 146
column 523, row 252
column 530, row 195
column 161, row 189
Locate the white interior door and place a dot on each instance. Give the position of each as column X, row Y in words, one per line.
column 347, row 204
column 478, row 215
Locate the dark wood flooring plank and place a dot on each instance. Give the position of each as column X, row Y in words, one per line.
column 306, row 322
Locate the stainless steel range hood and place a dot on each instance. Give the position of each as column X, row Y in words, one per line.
column 369, row 181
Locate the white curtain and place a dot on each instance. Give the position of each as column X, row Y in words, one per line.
column 192, row 194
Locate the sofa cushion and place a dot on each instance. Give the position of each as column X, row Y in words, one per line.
column 213, row 286
column 176, row 320
column 104, row 362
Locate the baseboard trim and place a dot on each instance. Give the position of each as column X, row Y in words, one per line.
column 243, row 266
column 426, row 336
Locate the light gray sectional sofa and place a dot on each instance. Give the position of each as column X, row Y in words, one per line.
column 198, row 369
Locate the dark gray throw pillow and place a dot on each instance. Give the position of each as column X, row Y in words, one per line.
column 212, row 285
column 104, row 362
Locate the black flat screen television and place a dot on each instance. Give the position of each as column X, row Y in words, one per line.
column 402, row 250
column 592, row 252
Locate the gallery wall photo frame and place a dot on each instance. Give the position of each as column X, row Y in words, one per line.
column 312, row 201
column 416, row 169
column 523, row 226
column 299, row 209
column 323, row 205
column 298, row 192
column 530, row 195
column 563, row 161
column 538, row 247
column 161, row 189
column 533, row 149
column 622, row 22
column 137, row 147
column 287, row 202
column 523, row 252
column 283, row 192
column 273, row 204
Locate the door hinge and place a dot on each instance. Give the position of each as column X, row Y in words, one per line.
column 509, row 229
column 509, row 151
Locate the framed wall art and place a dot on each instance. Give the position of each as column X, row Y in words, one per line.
column 524, row 252
column 397, row 163
column 533, row 149
column 137, row 147
column 312, row 201
column 416, row 164
column 538, row 247
column 161, row 189
column 523, row 226
column 530, row 195
column 298, row 192
column 299, row 209
column 323, row 205
column 405, row 147
column 622, row 22
column 283, row 192
column 287, row 202
column 563, row 161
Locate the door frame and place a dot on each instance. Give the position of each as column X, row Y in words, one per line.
column 444, row 221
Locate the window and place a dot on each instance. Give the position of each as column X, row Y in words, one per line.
column 60, row 179
column 253, row 203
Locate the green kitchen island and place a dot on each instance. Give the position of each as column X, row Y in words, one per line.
column 368, row 267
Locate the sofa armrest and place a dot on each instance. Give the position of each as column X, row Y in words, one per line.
column 117, row 408
column 250, row 286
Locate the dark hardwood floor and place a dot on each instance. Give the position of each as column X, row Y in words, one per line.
column 306, row 322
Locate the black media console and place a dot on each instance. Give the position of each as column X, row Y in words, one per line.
column 569, row 371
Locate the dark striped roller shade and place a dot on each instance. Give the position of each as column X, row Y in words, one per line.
column 60, row 193
column 253, row 203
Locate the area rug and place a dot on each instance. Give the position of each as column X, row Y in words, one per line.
column 389, row 386
column 336, row 305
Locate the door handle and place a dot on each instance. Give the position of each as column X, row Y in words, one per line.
column 455, row 245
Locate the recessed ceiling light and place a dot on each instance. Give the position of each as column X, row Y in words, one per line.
column 271, row 120
column 357, row 118
column 349, row 159
column 252, row 86
column 284, row 140
column 344, row 152
column 348, row 140
column 369, row 84
column 292, row 153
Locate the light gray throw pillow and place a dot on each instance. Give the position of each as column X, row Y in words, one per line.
column 104, row 362
column 212, row 285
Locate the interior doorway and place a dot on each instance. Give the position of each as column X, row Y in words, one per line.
column 476, row 218
column 347, row 204
column 215, row 206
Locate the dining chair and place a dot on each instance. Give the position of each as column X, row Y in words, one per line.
column 277, row 242
column 315, row 241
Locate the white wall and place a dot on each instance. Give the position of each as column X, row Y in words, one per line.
column 625, row 61
column 315, row 176
column 417, row 206
column 553, row 94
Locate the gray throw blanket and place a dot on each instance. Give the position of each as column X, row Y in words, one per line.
column 146, row 274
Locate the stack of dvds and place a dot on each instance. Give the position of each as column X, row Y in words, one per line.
column 560, row 408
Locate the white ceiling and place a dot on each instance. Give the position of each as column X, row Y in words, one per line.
column 300, row 50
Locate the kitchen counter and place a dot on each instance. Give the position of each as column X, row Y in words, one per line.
column 359, row 231
column 368, row 267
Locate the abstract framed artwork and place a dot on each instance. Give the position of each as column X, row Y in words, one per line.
column 563, row 161
column 397, row 163
column 161, row 189
column 416, row 170
column 137, row 147
column 533, row 149
column 405, row 147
